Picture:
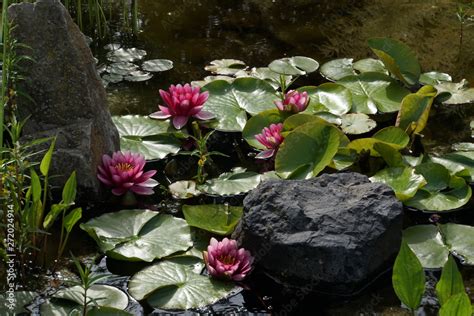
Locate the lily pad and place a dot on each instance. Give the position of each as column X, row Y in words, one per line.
column 393, row 136
column 22, row 299
column 373, row 92
column 225, row 66
column 460, row 92
column 459, row 163
column 398, row 58
column 294, row 66
column 146, row 136
column 126, row 55
column 370, row 65
column 103, row 295
column 138, row 75
column 230, row 101
column 121, row 68
column 157, row 65
column 231, row 183
column 256, row 124
column 337, row 69
column 184, row 189
column 433, row 78
column 135, row 235
column 403, row 181
column 112, row 78
column 415, row 110
column 215, row 218
column 307, row 150
column 432, row 245
column 357, row 123
column 328, row 97
column 170, row 285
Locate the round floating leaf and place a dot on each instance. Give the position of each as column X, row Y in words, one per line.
column 403, row 181
column 393, row 136
column 457, row 195
column 231, row 183
column 135, row 235
column 184, row 189
column 170, row 285
column 463, row 146
column 266, row 74
column 370, row 65
column 432, row 246
column 157, row 65
column 436, row 175
column 328, row 97
column 22, row 299
column 214, row 218
column 230, row 101
column 103, row 295
column 146, row 136
column 257, row 123
column 458, row 163
column 225, row 66
column 112, row 78
column 294, row 66
column 460, row 92
column 337, row 69
column 137, row 76
column 433, row 78
column 415, row 109
column 126, row 54
column 373, row 91
column 307, row 150
column 398, row 58
column 121, row 68
column 357, row 123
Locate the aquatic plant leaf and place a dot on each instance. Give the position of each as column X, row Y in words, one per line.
column 227, row 67
column 157, row 65
column 257, row 122
column 432, row 245
column 434, row 77
column 463, row 146
column 373, row 92
column 67, row 308
column 215, row 218
column 398, row 58
column 455, row 196
column 126, row 55
column 357, row 123
column 460, row 92
column 22, row 299
column 307, row 150
column 337, row 69
column 328, row 97
column 231, row 183
column 294, row 66
column 149, row 137
column 370, row 65
column 436, row 175
column 390, row 155
column 415, row 110
column 266, row 74
column 408, row 277
column 403, row 181
column 393, row 136
column 184, row 189
column 135, row 235
column 450, row 283
column 229, row 101
column 103, row 295
column 459, row 305
column 137, row 76
column 459, row 163
column 122, row 68
column 171, row 285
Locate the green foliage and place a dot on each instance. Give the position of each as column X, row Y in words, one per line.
column 214, row 218
column 450, row 282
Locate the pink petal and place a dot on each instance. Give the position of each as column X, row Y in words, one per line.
column 204, row 115
column 180, row 121
column 159, row 115
column 265, row 154
column 142, row 190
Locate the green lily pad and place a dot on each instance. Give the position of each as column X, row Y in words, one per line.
column 257, row 123
column 126, row 55
column 137, row 76
column 146, row 136
column 415, row 110
column 157, row 65
column 434, row 77
column 294, row 66
column 169, row 285
column 460, row 92
column 307, row 150
column 463, row 146
column 370, row 65
column 337, row 69
column 230, row 101
column 266, row 74
column 22, row 299
column 215, row 218
column 184, row 189
column 432, row 246
column 135, row 235
column 357, row 123
column 122, row 68
column 227, row 67
column 103, row 295
column 459, row 163
column 398, row 58
column 403, row 181
column 436, row 175
column 328, row 97
column 373, row 92
column 391, row 135
column 231, row 183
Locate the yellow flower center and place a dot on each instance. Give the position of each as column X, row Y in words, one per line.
column 227, row 259
column 123, row 166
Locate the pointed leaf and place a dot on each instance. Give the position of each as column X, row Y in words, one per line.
column 450, row 282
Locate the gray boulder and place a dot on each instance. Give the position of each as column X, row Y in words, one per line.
column 69, row 99
column 334, row 232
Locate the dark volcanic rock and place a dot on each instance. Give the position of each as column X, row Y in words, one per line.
column 334, row 232
column 69, row 99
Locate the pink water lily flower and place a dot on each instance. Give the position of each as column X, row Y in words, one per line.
column 182, row 102
column 123, row 172
column 225, row 260
column 294, row 102
column 271, row 138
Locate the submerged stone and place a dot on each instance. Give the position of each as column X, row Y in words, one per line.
column 69, row 99
column 335, row 232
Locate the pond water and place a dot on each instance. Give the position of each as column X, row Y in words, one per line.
column 192, row 33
